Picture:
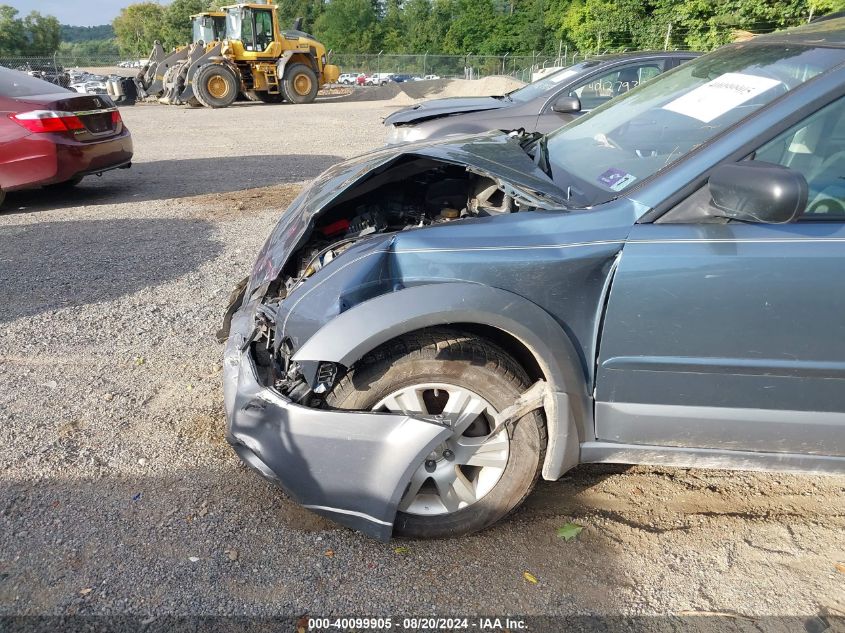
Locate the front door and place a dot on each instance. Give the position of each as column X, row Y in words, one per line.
column 732, row 335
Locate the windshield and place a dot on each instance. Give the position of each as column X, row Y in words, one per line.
column 607, row 151
column 234, row 19
column 542, row 86
column 203, row 30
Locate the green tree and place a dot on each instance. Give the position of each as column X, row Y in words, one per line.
column 42, row 33
column 472, row 25
column 520, row 28
column 73, row 34
column 415, row 17
column 349, row 26
column 308, row 10
column 176, row 28
column 392, row 34
column 35, row 34
column 138, row 26
column 437, row 25
column 12, row 35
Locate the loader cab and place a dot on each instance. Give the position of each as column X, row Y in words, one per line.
column 253, row 25
column 208, row 27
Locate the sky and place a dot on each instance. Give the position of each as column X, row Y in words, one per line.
column 74, row 12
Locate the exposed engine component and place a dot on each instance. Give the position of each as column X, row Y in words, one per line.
column 366, row 223
column 414, row 194
column 488, row 199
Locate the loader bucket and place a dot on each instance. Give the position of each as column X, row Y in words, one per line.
column 145, row 78
column 173, row 81
column 188, row 89
column 157, row 84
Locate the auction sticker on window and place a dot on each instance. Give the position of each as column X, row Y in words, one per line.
column 616, row 179
column 561, row 75
column 713, row 99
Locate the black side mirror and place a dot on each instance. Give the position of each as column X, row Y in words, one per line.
column 758, row 192
column 567, row 105
column 297, row 24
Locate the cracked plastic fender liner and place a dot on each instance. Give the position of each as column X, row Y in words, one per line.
column 351, row 467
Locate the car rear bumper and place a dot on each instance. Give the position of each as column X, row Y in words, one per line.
column 350, row 466
column 46, row 159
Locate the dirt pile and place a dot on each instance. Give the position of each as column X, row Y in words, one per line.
column 410, row 92
column 441, row 88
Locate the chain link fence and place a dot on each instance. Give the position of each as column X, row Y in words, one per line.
column 444, row 66
column 457, row 66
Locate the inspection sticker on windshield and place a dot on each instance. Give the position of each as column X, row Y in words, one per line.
column 720, row 95
column 616, row 179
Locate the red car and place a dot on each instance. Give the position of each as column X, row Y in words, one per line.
column 51, row 136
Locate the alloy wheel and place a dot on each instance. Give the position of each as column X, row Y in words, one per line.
column 464, row 468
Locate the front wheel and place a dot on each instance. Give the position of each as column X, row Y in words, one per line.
column 300, row 84
column 216, row 86
column 475, row 477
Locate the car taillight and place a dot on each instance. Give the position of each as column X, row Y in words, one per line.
column 40, row 121
column 115, row 118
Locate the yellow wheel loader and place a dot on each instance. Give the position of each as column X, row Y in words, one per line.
column 254, row 58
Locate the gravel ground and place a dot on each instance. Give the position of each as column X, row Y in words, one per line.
column 118, row 494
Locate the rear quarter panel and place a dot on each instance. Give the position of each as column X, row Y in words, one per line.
column 24, row 158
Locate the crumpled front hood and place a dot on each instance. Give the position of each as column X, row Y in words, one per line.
column 436, row 108
column 494, row 155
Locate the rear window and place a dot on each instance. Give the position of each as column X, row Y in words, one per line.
column 14, row 83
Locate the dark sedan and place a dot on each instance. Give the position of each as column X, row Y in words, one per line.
column 51, row 136
column 541, row 106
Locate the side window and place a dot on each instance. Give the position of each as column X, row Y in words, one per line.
column 816, row 148
column 602, row 88
column 247, row 33
column 263, row 29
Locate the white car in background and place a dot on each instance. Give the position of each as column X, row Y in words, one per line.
column 90, row 87
column 347, row 78
column 378, row 79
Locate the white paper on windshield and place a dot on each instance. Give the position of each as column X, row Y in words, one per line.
column 560, row 76
column 720, row 95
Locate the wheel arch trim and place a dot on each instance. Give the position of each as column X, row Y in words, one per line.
column 352, row 334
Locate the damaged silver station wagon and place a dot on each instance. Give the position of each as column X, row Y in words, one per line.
column 432, row 327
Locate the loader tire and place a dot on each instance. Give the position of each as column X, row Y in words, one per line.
column 216, row 86
column 300, row 84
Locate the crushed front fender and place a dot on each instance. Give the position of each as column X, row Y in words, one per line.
column 350, row 466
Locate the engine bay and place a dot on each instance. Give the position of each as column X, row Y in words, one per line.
column 417, row 193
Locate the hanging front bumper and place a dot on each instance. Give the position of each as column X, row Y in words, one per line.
column 350, row 466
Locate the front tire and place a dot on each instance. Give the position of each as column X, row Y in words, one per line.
column 474, row 478
column 216, row 86
column 300, row 84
